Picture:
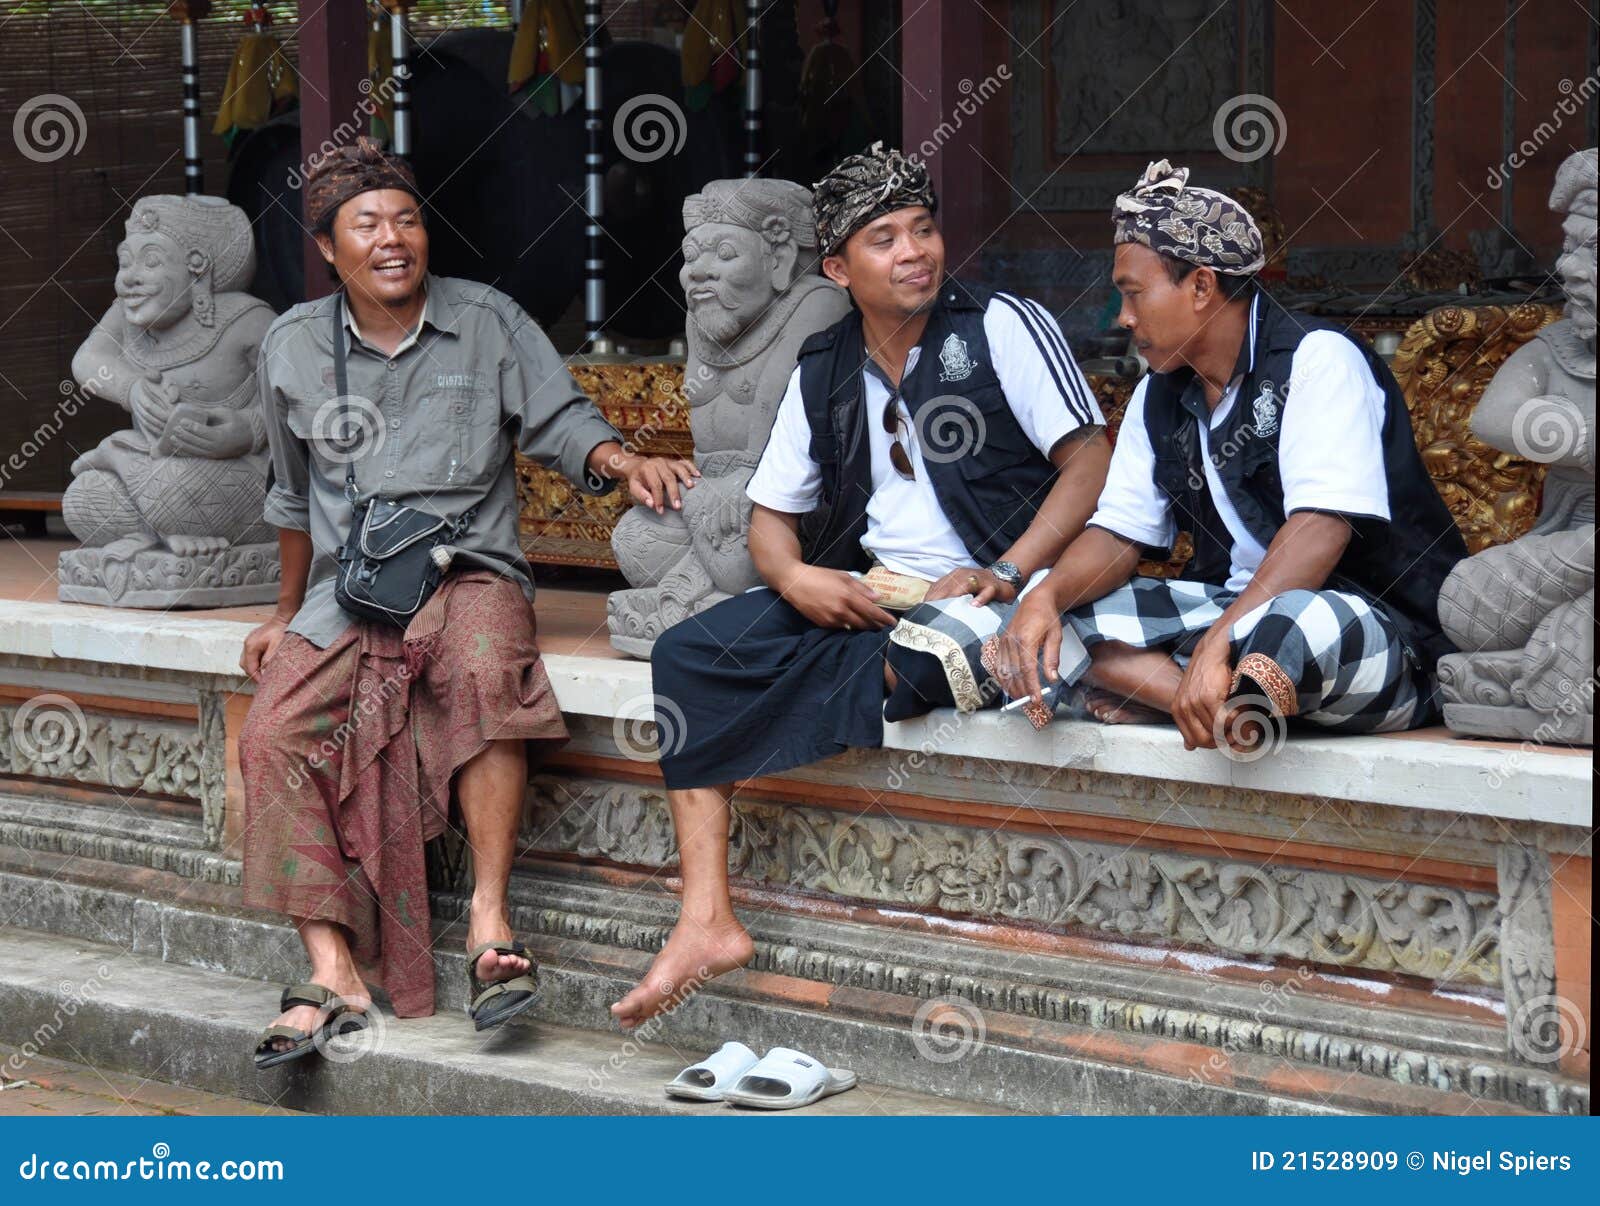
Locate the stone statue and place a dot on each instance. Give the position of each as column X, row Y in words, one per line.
column 754, row 294
column 1523, row 613
column 169, row 512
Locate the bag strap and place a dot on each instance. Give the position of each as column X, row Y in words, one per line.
column 341, row 383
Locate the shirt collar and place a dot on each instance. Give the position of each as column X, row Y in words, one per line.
column 437, row 312
column 1246, row 363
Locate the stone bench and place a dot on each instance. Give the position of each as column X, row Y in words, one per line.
column 1084, row 919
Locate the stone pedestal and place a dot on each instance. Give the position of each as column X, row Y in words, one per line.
column 235, row 577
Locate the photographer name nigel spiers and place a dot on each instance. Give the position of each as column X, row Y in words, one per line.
column 1462, row 1163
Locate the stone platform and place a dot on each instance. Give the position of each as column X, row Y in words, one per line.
column 1088, row 919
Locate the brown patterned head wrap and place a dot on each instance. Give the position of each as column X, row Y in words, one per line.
column 1197, row 225
column 865, row 187
column 347, row 172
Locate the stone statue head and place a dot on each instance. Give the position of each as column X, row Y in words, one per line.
column 1575, row 196
column 745, row 242
column 177, row 254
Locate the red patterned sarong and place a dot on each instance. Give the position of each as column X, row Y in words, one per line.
column 347, row 757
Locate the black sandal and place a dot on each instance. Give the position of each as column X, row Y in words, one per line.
column 341, row 1018
column 497, row 1001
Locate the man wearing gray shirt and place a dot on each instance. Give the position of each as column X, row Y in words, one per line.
column 358, row 732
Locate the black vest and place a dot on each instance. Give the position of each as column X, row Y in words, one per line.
column 990, row 492
column 1399, row 565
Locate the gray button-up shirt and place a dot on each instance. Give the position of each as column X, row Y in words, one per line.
column 434, row 426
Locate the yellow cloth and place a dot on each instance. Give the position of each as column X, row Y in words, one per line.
column 380, row 67
column 714, row 28
column 555, row 27
column 260, row 80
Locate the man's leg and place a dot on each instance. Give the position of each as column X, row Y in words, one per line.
column 1129, row 685
column 708, row 939
column 292, row 863
column 490, row 788
column 333, row 968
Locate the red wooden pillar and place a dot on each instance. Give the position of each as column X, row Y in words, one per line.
column 941, row 45
column 332, row 39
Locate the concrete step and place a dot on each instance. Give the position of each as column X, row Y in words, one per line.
column 58, row 1088
column 193, row 1028
column 593, row 943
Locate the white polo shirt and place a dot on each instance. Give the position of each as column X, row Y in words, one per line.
column 1330, row 453
column 907, row 529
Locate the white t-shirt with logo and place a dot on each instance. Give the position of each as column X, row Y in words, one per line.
column 907, row 529
column 1330, row 454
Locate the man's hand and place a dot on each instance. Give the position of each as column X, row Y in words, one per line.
column 834, row 599
column 983, row 586
column 656, row 481
column 1203, row 692
column 1034, row 629
column 261, row 644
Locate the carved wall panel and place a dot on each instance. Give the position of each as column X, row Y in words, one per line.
column 1438, row 933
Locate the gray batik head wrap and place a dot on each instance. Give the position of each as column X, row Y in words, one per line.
column 865, row 187
column 1198, row 225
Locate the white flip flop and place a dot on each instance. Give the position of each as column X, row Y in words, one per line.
column 709, row 1079
column 786, row 1079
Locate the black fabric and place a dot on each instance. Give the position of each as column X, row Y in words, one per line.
column 990, row 492
column 751, row 687
column 1399, row 565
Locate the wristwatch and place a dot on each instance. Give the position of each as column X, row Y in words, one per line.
column 1007, row 573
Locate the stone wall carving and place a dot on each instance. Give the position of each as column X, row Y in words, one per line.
column 150, row 755
column 1439, row 933
column 1533, row 1022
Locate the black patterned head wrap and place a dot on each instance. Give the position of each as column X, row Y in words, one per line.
column 349, row 171
column 865, row 187
column 1198, row 225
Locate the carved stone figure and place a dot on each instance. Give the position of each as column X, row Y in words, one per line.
column 169, row 512
column 750, row 279
column 1523, row 613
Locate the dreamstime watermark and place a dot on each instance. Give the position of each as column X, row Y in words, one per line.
column 353, row 1036
column 649, row 726
column 950, row 427
column 348, row 428
column 73, row 998
column 157, row 1166
column 948, row 1028
column 952, row 723
column 45, row 729
column 49, row 127
column 1248, row 127
column 373, row 98
column 1577, row 699
column 1573, row 98
column 1549, row 428
column 647, row 1030
column 73, row 397
column 649, row 127
column 1275, row 999
column 371, row 694
column 973, row 98
column 1546, row 1029
column 1247, row 728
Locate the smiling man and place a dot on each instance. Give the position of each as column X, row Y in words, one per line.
column 939, row 431
column 1283, row 446
column 359, row 731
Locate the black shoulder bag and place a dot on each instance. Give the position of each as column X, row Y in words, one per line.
column 392, row 561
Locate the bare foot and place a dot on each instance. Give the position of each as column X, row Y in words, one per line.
column 1108, row 708
column 347, row 988
column 694, row 953
column 493, row 925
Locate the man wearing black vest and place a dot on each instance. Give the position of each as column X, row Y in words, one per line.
column 1283, row 446
column 944, row 433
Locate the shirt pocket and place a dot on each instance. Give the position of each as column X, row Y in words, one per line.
column 981, row 427
column 457, row 441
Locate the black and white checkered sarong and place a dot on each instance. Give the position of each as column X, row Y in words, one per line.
column 1342, row 655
